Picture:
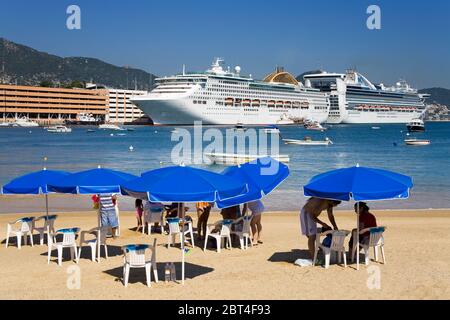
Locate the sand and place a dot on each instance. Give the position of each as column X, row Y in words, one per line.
column 417, row 253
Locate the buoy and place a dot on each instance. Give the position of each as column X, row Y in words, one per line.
column 112, row 134
column 131, row 148
column 156, row 131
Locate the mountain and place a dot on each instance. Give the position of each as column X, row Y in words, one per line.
column 438, row 95
column 26, row 66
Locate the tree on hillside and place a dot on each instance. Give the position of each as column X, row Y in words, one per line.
column 46, row 84
column 75, row 84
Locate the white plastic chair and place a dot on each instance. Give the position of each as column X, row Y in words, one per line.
column 245, row 234
column 223, row 233
column 134, row 256
column 375, row 241
column 95, row 243
column 47, row 228
column 175, row 230
column 68, row 241
column 337, row 246
column 150, row 218
column 20, row 228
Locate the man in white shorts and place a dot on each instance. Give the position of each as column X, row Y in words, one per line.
column 309, row 219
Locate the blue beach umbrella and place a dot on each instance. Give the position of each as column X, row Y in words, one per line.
column 262, row 175
column 34, row 183
column 360, row 184
column 94, row 181
column 183, row 184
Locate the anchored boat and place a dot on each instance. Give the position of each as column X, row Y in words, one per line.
column 59, row 129
column 416, row 125
column 234, row 159
column 417, row 142
column 307, row 141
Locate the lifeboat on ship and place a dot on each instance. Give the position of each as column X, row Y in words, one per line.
column 229, row 101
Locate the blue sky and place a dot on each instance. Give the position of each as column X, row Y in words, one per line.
column 159, row 36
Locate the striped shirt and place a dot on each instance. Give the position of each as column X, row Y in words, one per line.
column 106, row 203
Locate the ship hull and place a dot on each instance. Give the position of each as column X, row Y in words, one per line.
column 380, row 117
column 183, row 112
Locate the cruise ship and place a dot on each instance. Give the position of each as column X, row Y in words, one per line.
column 224, row 97
column 354, row 99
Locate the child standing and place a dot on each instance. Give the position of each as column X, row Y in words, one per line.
column 139, row 210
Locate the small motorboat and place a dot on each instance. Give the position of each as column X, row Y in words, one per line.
column 232, row 159
column 376, row 128
column 417, row 142
column 239, row 127
column 307, row 141
column 59, row 129
column 25, row 123
column 4, row 124
column 110, row 126
column 90, row 130
column 416, row 125
column 313, row 125
column 271, row 129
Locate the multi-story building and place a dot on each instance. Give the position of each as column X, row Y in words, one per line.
column 121, row 109
column 50, row 105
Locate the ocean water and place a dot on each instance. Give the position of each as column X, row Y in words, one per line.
column 23, row 150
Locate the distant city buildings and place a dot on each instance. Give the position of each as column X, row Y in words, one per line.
column 437, row 112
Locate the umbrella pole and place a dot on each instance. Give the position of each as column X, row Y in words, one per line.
column 181, row 206
column 357, row 236
column 46, row 204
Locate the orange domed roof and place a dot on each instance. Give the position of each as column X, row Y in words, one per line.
column 279, row 75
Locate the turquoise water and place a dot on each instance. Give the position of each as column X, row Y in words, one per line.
column 23, row 150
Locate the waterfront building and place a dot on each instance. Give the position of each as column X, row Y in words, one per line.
column 50, row 105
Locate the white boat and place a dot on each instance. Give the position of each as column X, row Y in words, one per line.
column 417, row 142
column 220, row 96
column 5, row 124
column 376, row 128
column 307, row 141
column 26, row 123
column 59, row 129
column 235, row 159
column 416, row 125
column 313, row 125
column 271, row 129
column 83, row 119
column 110, row 126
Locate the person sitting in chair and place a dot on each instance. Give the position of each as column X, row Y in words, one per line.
column 366, row 220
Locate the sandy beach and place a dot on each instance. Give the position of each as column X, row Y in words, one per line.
column 416, row 251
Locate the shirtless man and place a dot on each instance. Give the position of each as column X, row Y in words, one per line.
column 309, row 219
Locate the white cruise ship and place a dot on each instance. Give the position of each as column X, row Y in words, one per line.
column 354, row 99
column 220, row 96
